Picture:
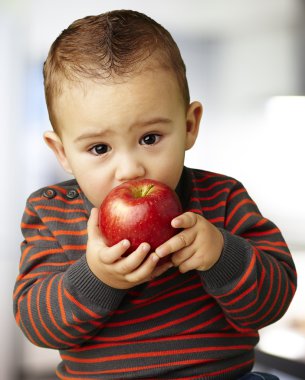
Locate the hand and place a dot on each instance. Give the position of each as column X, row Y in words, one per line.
column 109, row 265
column 198, row 246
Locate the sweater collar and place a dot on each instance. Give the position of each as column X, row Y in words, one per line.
column 184, row 188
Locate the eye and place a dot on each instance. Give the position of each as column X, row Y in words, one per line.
column 100, row 149
column 150, row 139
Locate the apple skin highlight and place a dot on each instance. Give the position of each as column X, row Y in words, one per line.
column 140, row 211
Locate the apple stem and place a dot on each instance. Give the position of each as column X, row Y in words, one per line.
column 147, row 190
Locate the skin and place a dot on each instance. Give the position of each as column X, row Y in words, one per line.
column 141, row 122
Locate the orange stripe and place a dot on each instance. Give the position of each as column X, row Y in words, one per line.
column 156, row 354
column 51, row 315
column 68, row 201
column 62, row 310
column 272, row 249
column 204, row 324
column 42, row 238
column 93, row 323
column 80, row 306
column 275, row 299
column 209, row 198
column 36, row 199
column 24, row 254
column 263, row 233
column 134, row 369
column 33, row 275
column 68, row 232
column 58, row 197
column 214, row 207
column 17, row 318
column 34, row 326
column 63, row 264
column 59, row 209
column 235, row 193
column 158, row 327
column 214, row 184
column 25, row 330
column 45, row 253
column 64, row 220
column 191, row 336
column 164, row 365
column 261, row 222
column 243, row 279
column 272, row 243
column 158, row 313
column 34, row 226
column 238, row 206
column 241, row 296
column 53, row 336
column 29, row 212
column 242, row 220
column 220, row 219
column 74, row 247
column 21, row 286
column 205, row 176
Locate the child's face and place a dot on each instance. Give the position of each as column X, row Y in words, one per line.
column 111, row 133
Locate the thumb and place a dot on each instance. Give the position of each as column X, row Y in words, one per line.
column 92, row 226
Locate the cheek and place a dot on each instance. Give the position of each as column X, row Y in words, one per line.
column 92, row 184
column 170, row 169
column 94, row 191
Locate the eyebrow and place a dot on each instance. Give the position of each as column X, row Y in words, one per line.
column 144, row 123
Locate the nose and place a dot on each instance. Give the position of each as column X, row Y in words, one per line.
column 129, row 168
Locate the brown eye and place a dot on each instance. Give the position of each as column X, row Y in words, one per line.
column 100, row 149
column 150, row 139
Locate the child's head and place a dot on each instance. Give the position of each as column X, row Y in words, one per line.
column 107, row 48
column 118, row 100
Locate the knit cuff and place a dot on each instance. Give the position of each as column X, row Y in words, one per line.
column 82, row 281
column 231, row 264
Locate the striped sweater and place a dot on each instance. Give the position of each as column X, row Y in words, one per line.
column 197, row 325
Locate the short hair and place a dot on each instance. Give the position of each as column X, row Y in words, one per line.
column 109, row 46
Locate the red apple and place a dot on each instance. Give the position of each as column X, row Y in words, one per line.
column 140, row 211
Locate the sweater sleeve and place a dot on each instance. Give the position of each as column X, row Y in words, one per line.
column 255, row 278
column 58, row 301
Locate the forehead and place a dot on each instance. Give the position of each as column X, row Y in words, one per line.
column 152, row 90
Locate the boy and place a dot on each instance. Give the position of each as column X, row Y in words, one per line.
column 118, row 101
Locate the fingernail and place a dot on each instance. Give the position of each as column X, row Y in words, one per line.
column 145, row 247
column 125, row 243
column 154, row 257
column 175, row 223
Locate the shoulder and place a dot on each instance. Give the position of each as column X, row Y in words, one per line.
column 205, row 178
column 63, row 191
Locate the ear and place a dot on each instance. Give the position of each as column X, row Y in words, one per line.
column 54, row 142
column 193, row 118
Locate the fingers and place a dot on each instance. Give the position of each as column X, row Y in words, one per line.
column 106, row 254
column 109, row 255
column 92, row 225
column 183, row 239
column 144, row 272
column 178, row 242
column 111, row 266
column 186, row 220
column 128, row 264
column 139, row 267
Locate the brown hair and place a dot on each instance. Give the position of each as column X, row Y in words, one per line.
column 109, row 46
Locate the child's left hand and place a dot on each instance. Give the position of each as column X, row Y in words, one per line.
column 198, row 246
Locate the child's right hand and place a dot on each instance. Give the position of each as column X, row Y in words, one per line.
column 114, row 270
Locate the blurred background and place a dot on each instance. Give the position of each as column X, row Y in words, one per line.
column 245, row 62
